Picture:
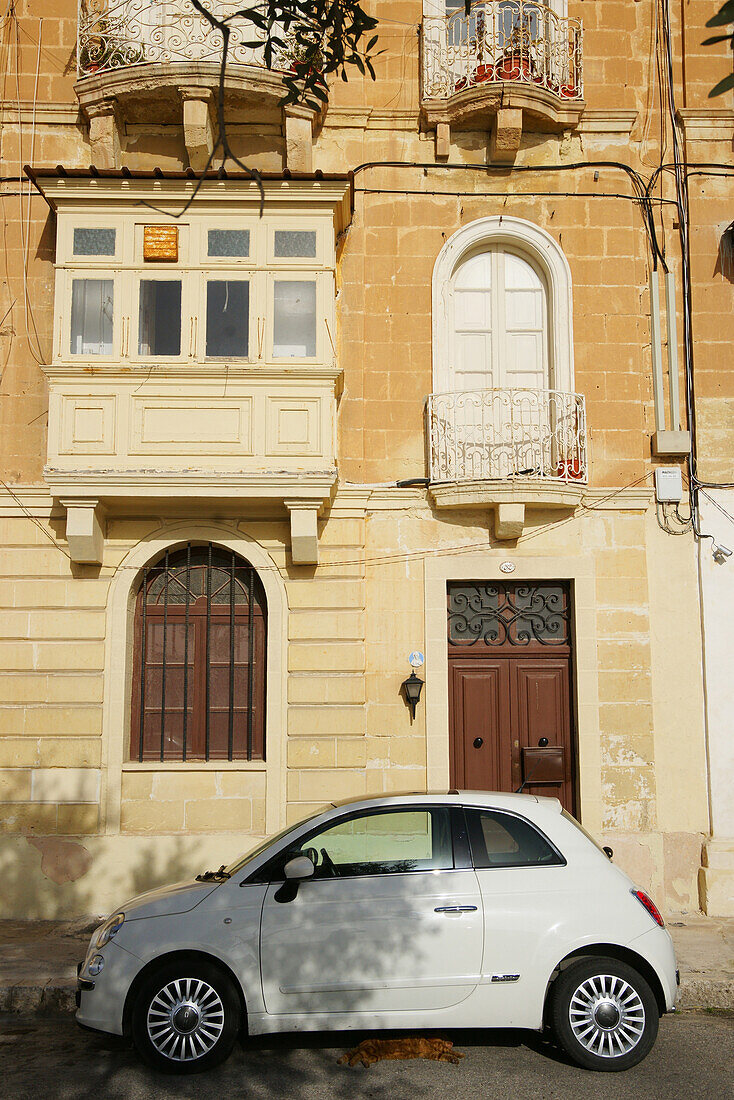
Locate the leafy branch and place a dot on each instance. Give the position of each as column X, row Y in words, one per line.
column 723, row 18
column 315, row 38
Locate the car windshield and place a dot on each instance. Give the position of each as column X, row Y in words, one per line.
column 244, row 860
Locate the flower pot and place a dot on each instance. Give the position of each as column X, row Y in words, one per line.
column 481, row 75
column 514, row 67
column 569, row 469
column 568, row 91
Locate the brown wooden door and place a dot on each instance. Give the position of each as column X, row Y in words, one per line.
column 510, row 712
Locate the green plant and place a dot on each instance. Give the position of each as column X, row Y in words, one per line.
column 723, row 18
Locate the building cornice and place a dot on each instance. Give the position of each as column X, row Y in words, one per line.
column 707, row 124
column 607, row 122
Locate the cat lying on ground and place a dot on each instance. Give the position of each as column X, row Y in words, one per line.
column 375, row 1050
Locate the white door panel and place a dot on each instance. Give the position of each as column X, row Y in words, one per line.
column 524, row 310
column 519, row 275
column 472, row 309
column 374, row 944
column 498, row 324
column 475, row 272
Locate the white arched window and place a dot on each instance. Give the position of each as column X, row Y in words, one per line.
column 498, row 322
column 503, row 402
column 502, row 309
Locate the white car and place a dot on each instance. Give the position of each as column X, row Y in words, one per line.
column 419, row 911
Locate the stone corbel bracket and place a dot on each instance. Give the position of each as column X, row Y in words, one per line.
column 300, row 125
column 304, row 516
column 504, row 109
column 185, row 94
column 105, row 126
column 84, row 530
column 199, row 124
column 508, row 502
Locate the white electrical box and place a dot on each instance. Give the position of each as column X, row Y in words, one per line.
column 668, row 485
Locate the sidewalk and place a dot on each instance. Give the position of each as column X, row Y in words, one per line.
column 38, row 963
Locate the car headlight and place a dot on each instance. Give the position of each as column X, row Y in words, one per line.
column 109, row 929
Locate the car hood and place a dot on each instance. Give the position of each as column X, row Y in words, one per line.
column 165, row 901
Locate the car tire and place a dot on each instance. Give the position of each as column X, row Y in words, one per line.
column 604, row 1014
column 186, row 1017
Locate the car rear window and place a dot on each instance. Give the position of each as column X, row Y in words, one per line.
column 503, row 840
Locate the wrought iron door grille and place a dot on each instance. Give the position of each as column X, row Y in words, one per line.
column 497, row 614
column 199, row 673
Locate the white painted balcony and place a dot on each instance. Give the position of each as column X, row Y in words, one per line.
column 158, row 61
column 137, row 32
column 506, row 434
column 505, row 55
column 502, row 40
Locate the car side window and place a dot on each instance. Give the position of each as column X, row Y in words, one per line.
column 380, row 843
column 503, row 840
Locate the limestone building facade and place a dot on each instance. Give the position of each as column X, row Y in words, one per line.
column 427, row 386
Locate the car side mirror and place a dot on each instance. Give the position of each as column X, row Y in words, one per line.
column 299, row 867
column 296, row 871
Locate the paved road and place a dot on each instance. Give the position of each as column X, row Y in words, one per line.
column 52, row 1059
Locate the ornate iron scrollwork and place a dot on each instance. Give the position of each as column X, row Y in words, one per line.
column 503, row 614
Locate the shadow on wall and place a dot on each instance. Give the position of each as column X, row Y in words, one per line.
column 47, row 873
column 61, row 878
column 725, row 257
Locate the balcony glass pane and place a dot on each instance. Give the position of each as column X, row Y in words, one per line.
column 94, row 241
column 229, row 242
column 159, row 331
column 294, row 319
column 92, row 303
column 295, row 242
column 227, row 318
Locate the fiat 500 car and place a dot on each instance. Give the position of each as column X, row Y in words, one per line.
column 405, row 912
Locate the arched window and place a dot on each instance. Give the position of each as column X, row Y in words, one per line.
column 198, row 688
column 502, row 309
column 502, row 403
column 498, row 322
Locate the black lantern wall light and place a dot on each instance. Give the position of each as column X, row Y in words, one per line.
column 412, row 688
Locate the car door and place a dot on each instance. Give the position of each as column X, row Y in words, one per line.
column 524, row 885
column 388, row 923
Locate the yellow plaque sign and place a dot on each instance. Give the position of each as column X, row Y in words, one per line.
column 160, row 242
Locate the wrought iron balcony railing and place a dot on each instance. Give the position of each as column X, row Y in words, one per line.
column 113, row 35
column 502, row 40
column 498, row 434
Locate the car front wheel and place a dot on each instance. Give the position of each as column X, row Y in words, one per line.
column 604, row 1014
column 186, row 1017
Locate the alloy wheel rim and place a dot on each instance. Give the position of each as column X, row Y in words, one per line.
column 607, row 1016
column 185, row 1019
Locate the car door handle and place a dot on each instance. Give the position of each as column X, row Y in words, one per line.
column 456, row 909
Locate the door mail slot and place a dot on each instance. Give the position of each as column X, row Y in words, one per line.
column 543, row 765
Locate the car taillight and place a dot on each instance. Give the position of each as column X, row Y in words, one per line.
column 649, row 905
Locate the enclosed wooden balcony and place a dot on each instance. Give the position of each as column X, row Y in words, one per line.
column 509, row 65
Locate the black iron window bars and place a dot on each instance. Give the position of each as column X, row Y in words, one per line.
column 199, row 672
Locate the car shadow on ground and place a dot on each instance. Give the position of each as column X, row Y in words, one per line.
column 286, row 1043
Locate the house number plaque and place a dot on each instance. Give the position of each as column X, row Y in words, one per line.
column 160, row 243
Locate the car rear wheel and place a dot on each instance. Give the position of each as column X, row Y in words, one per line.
column 186, row 1017
column 604, row 1014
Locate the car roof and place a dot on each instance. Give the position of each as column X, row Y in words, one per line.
column 495, row 799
